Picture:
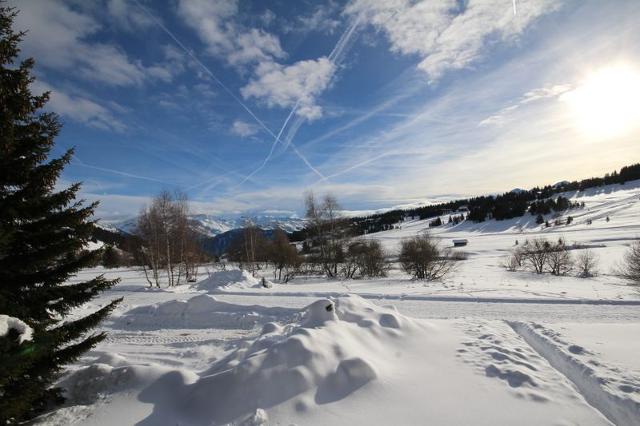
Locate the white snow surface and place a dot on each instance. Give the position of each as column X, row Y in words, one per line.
column 7, row 323
column 232, row 279
column 483, row 347
column 341, row 361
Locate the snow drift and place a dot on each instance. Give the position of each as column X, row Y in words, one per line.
column 228, row 280
column 334, row 348
column 202, row 311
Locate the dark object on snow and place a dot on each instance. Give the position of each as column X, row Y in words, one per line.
column 329, row 307
column 460, row 243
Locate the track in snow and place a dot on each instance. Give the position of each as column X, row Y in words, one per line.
column 430, row 309
column 618, row 407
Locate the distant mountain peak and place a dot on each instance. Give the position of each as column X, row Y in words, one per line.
column 212, row 225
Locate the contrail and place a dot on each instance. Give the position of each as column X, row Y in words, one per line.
column 334, row 56
column 355, row 166
column 117, row 172
column 273, row 146
column 217, row 80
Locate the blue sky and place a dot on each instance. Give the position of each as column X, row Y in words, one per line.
column 245, row 105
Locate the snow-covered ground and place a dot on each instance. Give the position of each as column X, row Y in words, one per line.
column 484, row 347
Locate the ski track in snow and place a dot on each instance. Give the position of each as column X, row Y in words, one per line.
column 605, row 387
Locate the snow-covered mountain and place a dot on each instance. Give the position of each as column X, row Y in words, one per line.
column 212, row 225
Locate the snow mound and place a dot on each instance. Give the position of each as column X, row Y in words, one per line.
column 334, row 349
column 202, row 311
column 228, row 280
column 10, row 323
column 88, row 384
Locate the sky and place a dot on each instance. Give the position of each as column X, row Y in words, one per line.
column 245, row 105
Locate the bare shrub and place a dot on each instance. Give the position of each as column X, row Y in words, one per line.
column 514, row 261
column 535, row 254
column 364, row 258
column 587, row 264
column 559, row 259
column 422, row 257
column 284, row 257
column 459, row 255
column 630, row 268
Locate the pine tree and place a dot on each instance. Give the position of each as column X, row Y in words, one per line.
column 110, row 257
column 42, row 236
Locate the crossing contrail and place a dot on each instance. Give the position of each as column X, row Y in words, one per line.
column 335, row 56
column 220, row 83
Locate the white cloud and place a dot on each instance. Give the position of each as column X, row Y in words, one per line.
column 502, row 116
column 78, row 108
column 445, row 35
column 267, row 17
column 258, row 53
column 226, row 38
column 127, row 15
column 58, row 37
column 322, row 19
column 255, row 46
column 243, row 129
column 209, row 19
column 284, row 86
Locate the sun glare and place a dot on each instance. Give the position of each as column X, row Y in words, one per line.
column 607, row 103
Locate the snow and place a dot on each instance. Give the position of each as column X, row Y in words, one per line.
column 200, row 312
column 482, row 277
column 334, row 364
column 610, row 390
column 233, row 279
column 611, row 343
column 94, row 245
column 484, row 347
column 25, row 333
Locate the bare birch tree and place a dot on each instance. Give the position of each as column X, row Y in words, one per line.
column 168, row 242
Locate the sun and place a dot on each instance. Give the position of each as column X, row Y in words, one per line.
column 607, row 103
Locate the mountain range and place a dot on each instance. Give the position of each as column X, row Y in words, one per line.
column 213, row 225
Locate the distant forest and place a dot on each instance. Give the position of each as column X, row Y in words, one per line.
column 517, row 203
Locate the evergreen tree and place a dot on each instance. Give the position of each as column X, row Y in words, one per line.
column 42, row 236
column 111, row 257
